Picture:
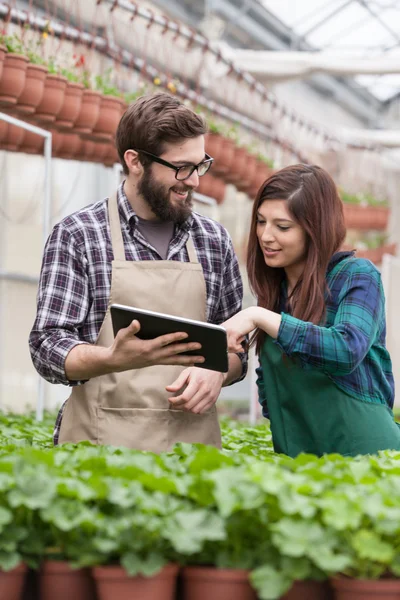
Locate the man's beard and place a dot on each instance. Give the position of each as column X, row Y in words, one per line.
column 157, row 197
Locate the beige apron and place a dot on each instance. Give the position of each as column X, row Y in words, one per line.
column 132, row 408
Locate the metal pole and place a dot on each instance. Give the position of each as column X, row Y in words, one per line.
column 46, row 232
column 46, row 219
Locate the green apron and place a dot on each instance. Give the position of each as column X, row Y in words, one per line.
column 310, row 413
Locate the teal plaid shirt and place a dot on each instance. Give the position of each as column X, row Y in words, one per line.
column 350, row 347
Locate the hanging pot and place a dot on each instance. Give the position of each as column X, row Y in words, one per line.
column 13, row 138
column 246, row 181
column 113, row 583
column 109, row 117
column 89, row 112
column 32, row 143
column 71, row 107
column 70, row 146
column 13, row 78
column 32, row 93
column 53, row 98
column 209, row 583
column 3, row 51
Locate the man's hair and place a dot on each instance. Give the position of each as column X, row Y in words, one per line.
column 152, row 121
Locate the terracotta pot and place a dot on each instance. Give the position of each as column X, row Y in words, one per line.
column 71, row 107
column 70, row 146
column 32, row 143
column 366, row 217
column 101, row 151
column 113, row 583
column 262, row 173
column 53, row 98
column 3, row 51
column 58, row 581
column 213, row 145
column 87, row 150
column 376, row 254
column 57, row 139
column 3, row 131
column 89, row 112
column 362, row 589
column 111, row 157
column 13, row 138
column 209, row 583
column 32, row 93
column 239, row 166
column 13, row 78
column 12, row 583
column 212, row 186
column 246, row 181
column 309, row 590
column 222, row 165
column 222, row 151
column 109, row 117
column 205, row 184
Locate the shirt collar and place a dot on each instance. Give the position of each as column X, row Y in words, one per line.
column 130, row 216
column 338, row 257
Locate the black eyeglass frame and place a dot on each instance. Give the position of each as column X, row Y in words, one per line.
column 208, row 160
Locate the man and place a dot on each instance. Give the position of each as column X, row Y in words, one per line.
column 141, row 247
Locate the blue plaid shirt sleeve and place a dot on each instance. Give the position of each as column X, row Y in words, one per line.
column 339, row 349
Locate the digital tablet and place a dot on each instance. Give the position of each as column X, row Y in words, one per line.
column 212, row 338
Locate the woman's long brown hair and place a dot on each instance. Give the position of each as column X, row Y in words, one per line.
column 313, row 201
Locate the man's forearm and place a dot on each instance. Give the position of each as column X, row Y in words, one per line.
column 234, row 370
column 85, row 361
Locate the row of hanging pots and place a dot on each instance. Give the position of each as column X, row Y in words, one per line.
column 29, row 91
column 68, row 145
column 236, row 165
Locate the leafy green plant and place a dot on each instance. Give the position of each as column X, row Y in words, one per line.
column 13, row 43
column 104, row 84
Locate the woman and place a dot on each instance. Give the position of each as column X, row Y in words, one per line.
column 326, row 379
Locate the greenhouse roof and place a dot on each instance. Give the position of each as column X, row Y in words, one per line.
column 362, row 28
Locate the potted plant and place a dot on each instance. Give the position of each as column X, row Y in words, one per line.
column 72, row 103
column 374, row 571
column 14, row 70
column 111, row 107
column 53, row 95
column 364, row 212
column 36, row 72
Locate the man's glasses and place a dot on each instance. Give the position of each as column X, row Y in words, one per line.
column 182, row 173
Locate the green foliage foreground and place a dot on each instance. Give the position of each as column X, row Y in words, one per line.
column 243, row 507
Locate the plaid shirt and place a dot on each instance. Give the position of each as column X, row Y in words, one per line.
column 75, row 278
column 350, row 348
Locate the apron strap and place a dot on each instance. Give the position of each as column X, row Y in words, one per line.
column 191, row 250
column 115, row 228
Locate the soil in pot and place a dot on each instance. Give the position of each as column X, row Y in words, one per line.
column 58, row 581
column 209, row 583
column 113, row 583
